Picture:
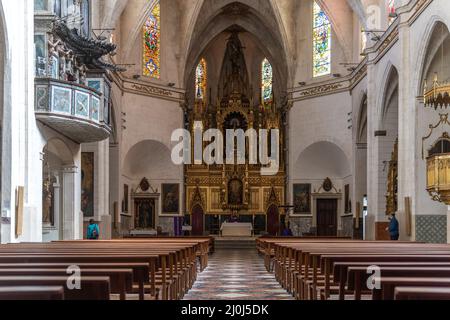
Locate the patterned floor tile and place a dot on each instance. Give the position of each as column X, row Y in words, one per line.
column 236, row 275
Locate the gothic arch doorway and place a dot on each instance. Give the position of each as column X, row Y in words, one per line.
column 273, row 220
column 197, row 220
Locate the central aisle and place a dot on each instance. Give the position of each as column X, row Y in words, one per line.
column 236, row 275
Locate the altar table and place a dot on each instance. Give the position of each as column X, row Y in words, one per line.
column 237, row 229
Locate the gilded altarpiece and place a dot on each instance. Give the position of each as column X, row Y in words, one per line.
column 239, row 189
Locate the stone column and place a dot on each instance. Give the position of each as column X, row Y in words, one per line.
column 372, row 154
column 407, row 131
column 70, row 208
column 57, row 206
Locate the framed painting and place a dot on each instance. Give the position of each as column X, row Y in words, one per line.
column 302, row 198
column 87, row 184
column 170, row 199
column 348, row 202
column 125, row 198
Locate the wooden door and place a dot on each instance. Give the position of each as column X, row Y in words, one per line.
column 327, row 217
column 273, row 221
column 197, row 220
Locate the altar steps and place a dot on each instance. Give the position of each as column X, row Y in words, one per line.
column 238, row 243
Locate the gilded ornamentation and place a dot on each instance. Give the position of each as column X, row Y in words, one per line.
column 230, row 186
column 392, row 184
column 438, row 170
column 443, row 120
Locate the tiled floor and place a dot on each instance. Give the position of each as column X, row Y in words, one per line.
column 236, row 275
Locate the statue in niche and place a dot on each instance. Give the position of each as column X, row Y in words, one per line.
column 234, row 76
column 47, row 201
column 235, row 190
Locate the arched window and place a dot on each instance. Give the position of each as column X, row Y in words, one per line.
column 266, row 83
column 201, row 80
column 152, row 43
column 321, row 42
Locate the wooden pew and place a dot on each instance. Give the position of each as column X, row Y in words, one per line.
column 92, row 288
column 172, row 263
column 140, row 271
column 313, row 263
column 357, row 276
column 121, row 280
column 341, row 270
column 388, row 285
column 421, row 293
column 32, row 293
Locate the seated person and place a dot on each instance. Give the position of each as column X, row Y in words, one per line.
column 286, row 231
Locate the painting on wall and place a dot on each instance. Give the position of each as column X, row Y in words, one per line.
column 302, row 198
column 87, row 184
column 348, row 202
column 170, row 199
column 125, row 199
column 145, row 214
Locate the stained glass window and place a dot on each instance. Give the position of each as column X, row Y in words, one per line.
column 321, row 42
column 200, row 80
column 363, row 41
column 152, row 43
column 391, row 11
column 266, row 83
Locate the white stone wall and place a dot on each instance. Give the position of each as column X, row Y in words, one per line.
column 20, row 136
column 419, row 36
column 320, row 146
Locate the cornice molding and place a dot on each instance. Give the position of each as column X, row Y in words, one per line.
column 144, row 88
column 333, row 86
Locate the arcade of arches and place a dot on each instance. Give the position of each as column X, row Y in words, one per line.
column 87, row 126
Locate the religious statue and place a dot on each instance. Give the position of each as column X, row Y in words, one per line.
column 47, row 202
column 235, row 192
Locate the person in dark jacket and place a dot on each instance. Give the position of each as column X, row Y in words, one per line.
column 286, row 231
column 393, row 228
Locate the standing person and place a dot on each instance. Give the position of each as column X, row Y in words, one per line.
column 93, row 231
column 393, row 228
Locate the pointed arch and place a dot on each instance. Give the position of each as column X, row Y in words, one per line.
column 263, row 22
column 201, row 80
column 390, row 91
column 321, row 42
column 427, row 52
column 361, row 133
column 152, row 43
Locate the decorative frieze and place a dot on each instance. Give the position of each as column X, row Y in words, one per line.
column 151, row 90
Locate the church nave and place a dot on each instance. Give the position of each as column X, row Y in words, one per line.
column 236, row 274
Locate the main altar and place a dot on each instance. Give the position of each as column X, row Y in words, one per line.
column 215, row 193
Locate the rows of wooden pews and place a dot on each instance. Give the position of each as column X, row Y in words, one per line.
column 144, row 269
column 341, row 269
